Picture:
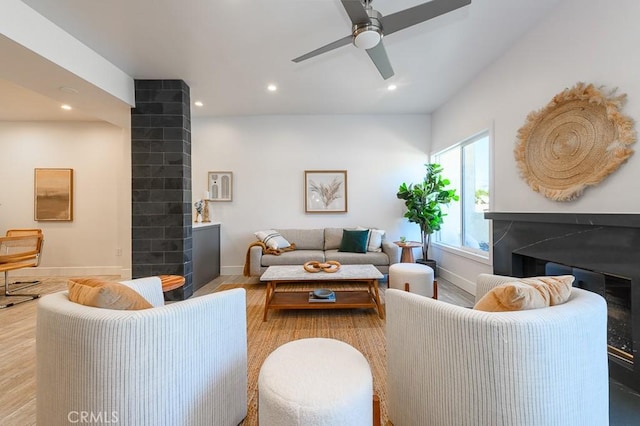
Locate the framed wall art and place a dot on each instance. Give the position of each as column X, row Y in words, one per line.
column 325, row 191
column 220, row 186
column 53, row 195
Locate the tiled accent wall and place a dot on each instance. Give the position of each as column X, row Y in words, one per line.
column 161, row 182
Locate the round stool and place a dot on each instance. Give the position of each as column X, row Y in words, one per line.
column 315, row 382
column 413, row 277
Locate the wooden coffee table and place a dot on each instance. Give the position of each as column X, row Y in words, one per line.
column 348, row 299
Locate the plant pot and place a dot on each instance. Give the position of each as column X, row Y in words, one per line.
column 431, row 263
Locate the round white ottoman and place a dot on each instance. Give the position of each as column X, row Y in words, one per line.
column 315, row 382
column 413, row 277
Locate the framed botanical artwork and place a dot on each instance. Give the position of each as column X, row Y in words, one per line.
column 220, row 186
column 53, row 194
column 325, row 191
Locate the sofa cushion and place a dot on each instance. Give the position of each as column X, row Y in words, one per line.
column 304, row 239
column 296, row 257
column 346, row 258
column 374, row 242
column 354, row 241
column 272, row 239
column 527, row 293
column 332, row 238
column 100, row 293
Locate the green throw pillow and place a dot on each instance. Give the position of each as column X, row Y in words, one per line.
column 354, row 241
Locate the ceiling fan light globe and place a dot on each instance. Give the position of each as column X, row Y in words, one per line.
column 367, row 38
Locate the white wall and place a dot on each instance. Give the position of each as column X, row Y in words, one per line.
column 269, row 154
column 99, row 155
column 583, row 40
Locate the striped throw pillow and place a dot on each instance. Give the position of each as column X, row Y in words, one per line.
column 272, row 239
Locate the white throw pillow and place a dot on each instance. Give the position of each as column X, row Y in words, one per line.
column 374, row 242
column 272, row 239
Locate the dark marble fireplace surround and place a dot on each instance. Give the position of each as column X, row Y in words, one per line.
column 603, row 243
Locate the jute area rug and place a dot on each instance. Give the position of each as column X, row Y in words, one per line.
column 361, row 328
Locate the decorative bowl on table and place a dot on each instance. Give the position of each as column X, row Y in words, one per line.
column 315, row 266
column 322, row 293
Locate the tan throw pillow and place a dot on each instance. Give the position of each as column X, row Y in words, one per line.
column 105, row 294
column 527, row 293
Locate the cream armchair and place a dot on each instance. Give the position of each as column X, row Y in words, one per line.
column 450, row 365
column 180, row 364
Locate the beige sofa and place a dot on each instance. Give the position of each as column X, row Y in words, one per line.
column 320, row 245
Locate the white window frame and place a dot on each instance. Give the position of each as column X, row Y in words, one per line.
column 463, row 251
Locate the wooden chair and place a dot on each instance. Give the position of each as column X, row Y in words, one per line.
column 23, row 231
column 21, row 248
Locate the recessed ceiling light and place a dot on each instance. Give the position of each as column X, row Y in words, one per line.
column 272, row 87
column 198, row 103
column 67, row 89
column 392, row 87
column 65, row 107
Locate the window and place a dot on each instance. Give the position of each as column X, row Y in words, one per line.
column 466, row 165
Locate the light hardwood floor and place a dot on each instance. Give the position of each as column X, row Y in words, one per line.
column 17, row 350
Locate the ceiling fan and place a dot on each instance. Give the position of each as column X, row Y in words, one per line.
column 369, row 26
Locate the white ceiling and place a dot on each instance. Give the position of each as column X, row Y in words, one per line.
column 227, row 51
column 19, row 104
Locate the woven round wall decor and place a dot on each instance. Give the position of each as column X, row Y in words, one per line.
column 575, row 141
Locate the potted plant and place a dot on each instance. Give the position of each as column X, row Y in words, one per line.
column 424, row 202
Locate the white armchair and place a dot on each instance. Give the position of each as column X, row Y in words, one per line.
column 184, row 363
column 451, row 365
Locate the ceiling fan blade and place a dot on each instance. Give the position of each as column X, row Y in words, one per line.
column 379, row 57
column 356, row 12
column 417, row 14
column 338, row 43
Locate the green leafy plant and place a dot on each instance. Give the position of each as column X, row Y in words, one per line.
column 424, row 202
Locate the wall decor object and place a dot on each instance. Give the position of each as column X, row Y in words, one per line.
column 220, row 186
column 575, row 141
column 325, row 191
column 53, row 195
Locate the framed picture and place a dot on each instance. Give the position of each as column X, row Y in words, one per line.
column 325, row 191
column 53, row 194
column 220, row 186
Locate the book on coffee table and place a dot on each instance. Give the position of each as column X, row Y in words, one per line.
column 314, row 299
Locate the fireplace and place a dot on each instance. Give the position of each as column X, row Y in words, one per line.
column 615, row 290
column 601, row 250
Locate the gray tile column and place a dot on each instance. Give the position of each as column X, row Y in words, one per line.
column 161, row 182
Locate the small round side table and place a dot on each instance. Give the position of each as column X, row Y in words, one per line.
column 407, row 250
column 171, row 282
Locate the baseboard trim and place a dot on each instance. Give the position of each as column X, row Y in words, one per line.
column 74, row 271
column 231, row 270
column 463, row 283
